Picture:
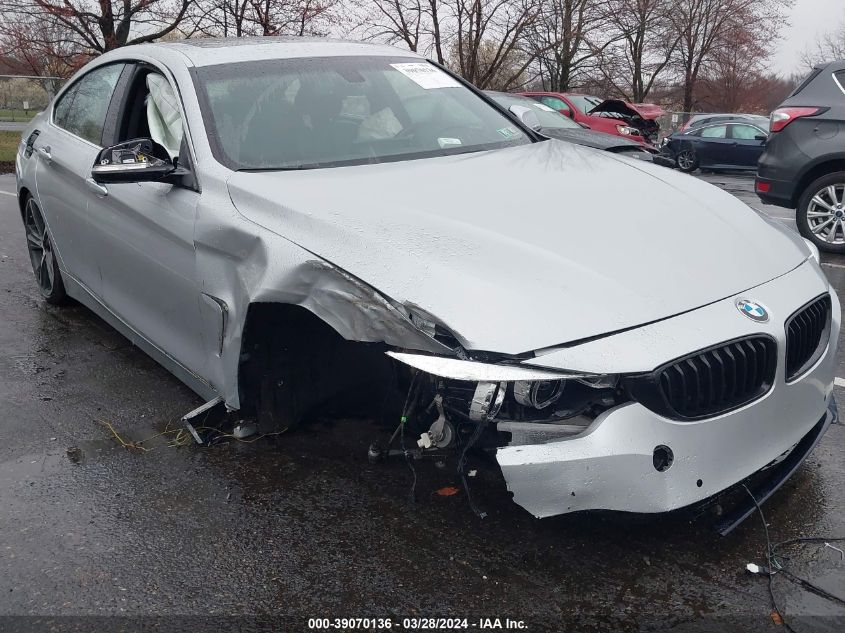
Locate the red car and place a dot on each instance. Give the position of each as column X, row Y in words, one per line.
column 636, row 121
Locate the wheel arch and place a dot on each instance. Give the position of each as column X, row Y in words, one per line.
column 24, row 194
column 288, row 349
column 827, row 166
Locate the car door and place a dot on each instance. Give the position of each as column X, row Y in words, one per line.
column 65, row 149
column 748, row 142
column 145, row 237
column 712, row 146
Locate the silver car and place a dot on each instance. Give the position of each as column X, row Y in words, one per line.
column 285, row 224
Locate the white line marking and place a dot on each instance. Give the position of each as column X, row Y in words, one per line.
column 9, row 193
column 833, row 265
column 839, row 382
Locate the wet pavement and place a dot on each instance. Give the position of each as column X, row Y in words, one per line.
column 265, row 535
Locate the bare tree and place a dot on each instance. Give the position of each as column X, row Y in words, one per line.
column 830, row 47
column 44, row 48
column 568, row 38
column 399, row 21
column 489, row 35
column 733, row 78
column 292, row 17
column 706, row 25
column 222, row 18
column 100, row 26
column 483, row 40
column 417, row 24
column 646, row 43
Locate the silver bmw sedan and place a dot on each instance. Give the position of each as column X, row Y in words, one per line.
column 295, row 226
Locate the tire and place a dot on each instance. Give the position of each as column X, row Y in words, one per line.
column 39, row 245
column 821, row 212
column 687, row 160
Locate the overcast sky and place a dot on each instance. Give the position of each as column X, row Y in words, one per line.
column 807, row 20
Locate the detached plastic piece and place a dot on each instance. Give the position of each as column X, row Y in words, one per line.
column 207, row 408
column 757, row 569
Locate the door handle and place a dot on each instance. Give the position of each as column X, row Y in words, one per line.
column 44, row 151
column 99, row 190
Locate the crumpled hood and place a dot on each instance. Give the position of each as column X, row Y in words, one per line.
column 526, row 247
column 647, row 111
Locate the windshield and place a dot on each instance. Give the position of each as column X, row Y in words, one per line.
column 548, row 117
column 583, row 102
column 333, row 111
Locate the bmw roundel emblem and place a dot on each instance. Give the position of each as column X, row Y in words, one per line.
column 753, row 311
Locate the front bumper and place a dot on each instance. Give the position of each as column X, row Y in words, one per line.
column 611, row 465
column 779, row 473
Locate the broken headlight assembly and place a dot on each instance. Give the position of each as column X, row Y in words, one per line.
column 517, row 399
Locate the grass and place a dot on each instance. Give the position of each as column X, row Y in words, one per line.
column 7, row 114
column 9, row 145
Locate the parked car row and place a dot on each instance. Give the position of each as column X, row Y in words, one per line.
column 727, row 141
column 611, row 116
column 551, row 123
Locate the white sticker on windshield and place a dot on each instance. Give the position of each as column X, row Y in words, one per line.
column 445, row 141
column 426, row 76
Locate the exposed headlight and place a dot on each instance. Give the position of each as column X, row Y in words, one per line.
column 519, row 391
column 538, row 394
column 627, row 130
column 814, row 251
column 487, row 400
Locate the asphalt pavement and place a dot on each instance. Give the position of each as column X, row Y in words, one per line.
column 95, row 536
column 13, row 126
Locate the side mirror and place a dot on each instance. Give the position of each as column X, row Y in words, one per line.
column 138, row 160
column 760, row 137
column 526, row 115
column 566, row 112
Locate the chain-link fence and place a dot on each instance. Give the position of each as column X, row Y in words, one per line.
column 22, row 97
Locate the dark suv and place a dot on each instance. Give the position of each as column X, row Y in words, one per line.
column 803, row 165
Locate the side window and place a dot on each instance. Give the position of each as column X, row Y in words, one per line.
column 745, row 132
column 716, row 131
column 60, row 112
column 82, row 109
column 554, row 102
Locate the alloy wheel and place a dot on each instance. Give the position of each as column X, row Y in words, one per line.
column 686, row 159
column 40, row 248
column 826, row 214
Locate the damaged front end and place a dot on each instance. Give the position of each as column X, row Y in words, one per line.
column 464, row 404
column 641, row 117
column 643, row 441
column 523, row 405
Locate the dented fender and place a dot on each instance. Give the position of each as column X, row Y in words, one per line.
column 240, row 263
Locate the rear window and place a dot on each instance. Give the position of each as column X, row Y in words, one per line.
column 813, row 74
column 840, row 79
